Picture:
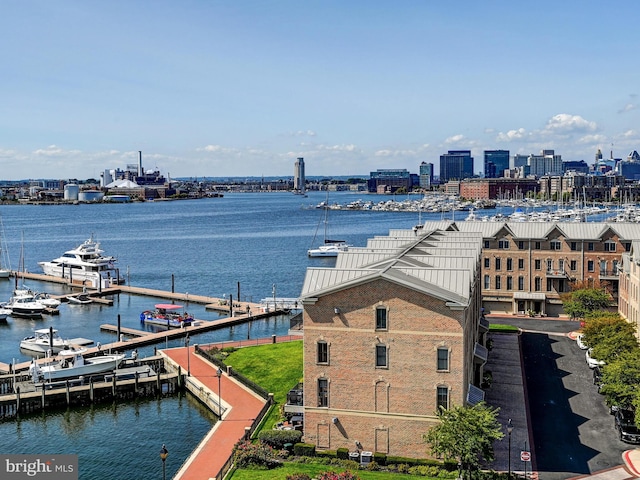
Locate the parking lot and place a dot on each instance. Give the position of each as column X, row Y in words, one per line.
column 571, row 429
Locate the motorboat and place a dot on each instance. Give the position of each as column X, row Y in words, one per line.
column 43, row 340
column 330, row 248
column 47, row 300
column 4, row 313
column 80, row 299
column 25, row 306
column 72, row 363
column 85, row 263
column 166, row 315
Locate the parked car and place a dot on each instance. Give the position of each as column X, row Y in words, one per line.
column 597, row 377
column 626, row 425
column 592, row 362
column 580, row 342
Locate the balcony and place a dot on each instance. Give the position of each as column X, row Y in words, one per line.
column 558, row 274
column 608, row 274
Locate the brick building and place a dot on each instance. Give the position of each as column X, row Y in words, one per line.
column 391, row 333
column 497, row 188
column 629, row 293
column 527, row 266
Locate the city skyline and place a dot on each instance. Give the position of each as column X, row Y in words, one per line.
column 214, row 89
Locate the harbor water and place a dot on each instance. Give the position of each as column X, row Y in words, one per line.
column 206, row 247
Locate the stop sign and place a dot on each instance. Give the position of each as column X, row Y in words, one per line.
column 525, row 456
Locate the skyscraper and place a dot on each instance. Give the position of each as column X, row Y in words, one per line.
column 299, row 182
column 456, row 165
column 495, row 163
column 426, row 175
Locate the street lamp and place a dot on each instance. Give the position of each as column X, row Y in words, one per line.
column 163, row 456
column 219, row 375
column 509, row 430
column 186, row 342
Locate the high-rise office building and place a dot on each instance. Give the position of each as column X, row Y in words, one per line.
column 495, row 163
column 426, row 175
column 298, row 176
column 456, row 165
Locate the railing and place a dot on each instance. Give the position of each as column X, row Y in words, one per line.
column 608, row 273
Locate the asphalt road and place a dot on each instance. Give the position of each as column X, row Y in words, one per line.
column 572, row 431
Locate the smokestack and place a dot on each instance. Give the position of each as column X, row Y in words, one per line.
column 139, row 163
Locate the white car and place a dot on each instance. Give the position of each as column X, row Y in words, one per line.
column 580, row 342
column 592, row 362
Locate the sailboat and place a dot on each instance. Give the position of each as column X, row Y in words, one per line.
column 5, row 266
column 329, row 247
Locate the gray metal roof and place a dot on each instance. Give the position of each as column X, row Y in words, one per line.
column 540, row 230
column 439, row 263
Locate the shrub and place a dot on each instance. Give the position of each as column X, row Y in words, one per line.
column 298, row 476
column 304, row 450
column 380, row 458
column 247, row 454
column 342, row 453
column 278, row 438
column 373, row 466
column 338, row 476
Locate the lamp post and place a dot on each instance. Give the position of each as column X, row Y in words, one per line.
column 186, row 342
column 219, row 375
column 509, row 430
column 163, row 456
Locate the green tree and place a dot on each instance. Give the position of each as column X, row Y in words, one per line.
column 609, row 335
column 620, row 380
column 586, row 300
column 465, row 435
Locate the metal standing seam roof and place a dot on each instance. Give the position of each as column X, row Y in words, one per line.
column 541, row 230
column 409, row 263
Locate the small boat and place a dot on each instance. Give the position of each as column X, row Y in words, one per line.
column 80, row 299
column 25, row 306
column 47, row 300
column 44, row 339
column 4, row 313
column 330, row 248
column 166, row 315
column 71, row 363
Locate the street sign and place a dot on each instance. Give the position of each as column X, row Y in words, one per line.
column 525, row 456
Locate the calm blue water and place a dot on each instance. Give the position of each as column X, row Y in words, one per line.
column 259, row 240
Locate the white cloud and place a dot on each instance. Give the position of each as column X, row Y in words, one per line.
column 454, row 139
column 592, row 139
column 511, row 135
column 565, row 123
column 628, row 107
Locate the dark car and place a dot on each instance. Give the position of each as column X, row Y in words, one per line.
column 626, row 425
column 597, row 378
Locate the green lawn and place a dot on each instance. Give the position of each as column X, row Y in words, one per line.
column 275, row 367
column 312, row 470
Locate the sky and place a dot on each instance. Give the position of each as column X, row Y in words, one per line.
column 243, row 88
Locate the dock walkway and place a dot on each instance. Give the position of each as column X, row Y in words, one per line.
column 241, row 408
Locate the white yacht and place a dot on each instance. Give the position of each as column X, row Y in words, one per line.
column 25, row 306
column 71, row 363
column 44, row 339
column 331, row 248
column 85, row 263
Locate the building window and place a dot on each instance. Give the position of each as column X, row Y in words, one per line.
column 555, row 245
column 443, row 359
column 498, row 263
column 520, row 245
column 486, row 244
column 590, row 266
column 521, row 263
column 381, row 356
column 381, row 318
column 520, row 283
column 487, row 282
column 538, row 264
column 590, row 246
column 443, row 398
column 549, row 284
column 323, row 392
column 537, row 284
column 573, row 265
column 498, row 282
column 509, row 264
column 536, row 246
column 323, row 352
column 487, row 263
column 509, row 283
column 549, row 265
column 574, row 246
column 627, row 246
column 504, row 244
column 609, row 246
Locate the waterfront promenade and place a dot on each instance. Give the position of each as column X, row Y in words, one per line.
column 241, row 408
